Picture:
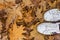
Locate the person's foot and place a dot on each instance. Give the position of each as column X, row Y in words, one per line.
column 52, row 15
column 49, row 28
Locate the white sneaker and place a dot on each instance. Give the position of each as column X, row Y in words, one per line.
column 52, row 15
column 48, row 28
